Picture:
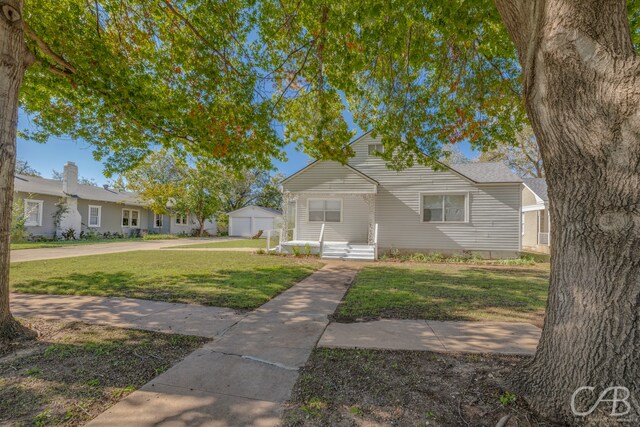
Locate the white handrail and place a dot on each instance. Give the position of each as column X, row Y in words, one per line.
column 321, row 240
column 375, row 242
column 268, row 241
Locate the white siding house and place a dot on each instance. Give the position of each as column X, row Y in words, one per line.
column 467, row 207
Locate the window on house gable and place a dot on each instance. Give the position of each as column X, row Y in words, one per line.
column 444, row 208
column 181, row 219
column 329, row 210
column 375, row 148
column 33, row 212
column 157, row 220
column 95, row 216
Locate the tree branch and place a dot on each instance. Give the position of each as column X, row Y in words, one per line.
column 46, row 49
column 199, row 35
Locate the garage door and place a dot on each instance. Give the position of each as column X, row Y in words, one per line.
column 240, row 226
column 263, row 224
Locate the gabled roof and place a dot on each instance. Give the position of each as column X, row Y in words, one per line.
column 478, row 172
column 270, row 210
column 486, row 172
column 53, row 187
column 538, row 186
column 316, row 162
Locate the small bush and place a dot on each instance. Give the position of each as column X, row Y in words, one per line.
column 69, row 234
column 522, row 260
column 90, row 234
column 18, row 220
column 159, row 237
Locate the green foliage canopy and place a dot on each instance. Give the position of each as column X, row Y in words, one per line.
column 213, row 79
column 130, row 76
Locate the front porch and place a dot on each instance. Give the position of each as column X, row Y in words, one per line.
column 336, row 225
column 536, row 226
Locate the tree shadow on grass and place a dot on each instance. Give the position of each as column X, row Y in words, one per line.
column 461, row 294
column 239, row 289
column 80, row 369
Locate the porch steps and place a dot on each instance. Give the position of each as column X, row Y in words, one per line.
column 348, row 252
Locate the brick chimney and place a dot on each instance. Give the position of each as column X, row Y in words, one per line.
column 70, row 178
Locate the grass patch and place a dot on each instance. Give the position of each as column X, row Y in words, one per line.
column 448, row 292
column 240, row 243
column 405, row 388
column 60, row 243
column 226, row 279
column 100, row 366
column 160, row 237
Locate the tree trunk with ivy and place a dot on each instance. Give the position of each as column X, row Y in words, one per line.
column 582, row 94
column 14, row 60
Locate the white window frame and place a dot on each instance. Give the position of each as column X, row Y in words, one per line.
column 131, row 211
column 446, row 193
column 186, row 219
column 379, row 148
column 27, row 215
column 155, row 220
column 99, row 216
column 326, row 199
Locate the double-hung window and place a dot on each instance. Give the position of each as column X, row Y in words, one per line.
column 444, row 208
column 33, row 212
column 181, row 219
column 325, row 210
column 375, row 148
column 157, row 220
column 95, row 215
column 130, row 218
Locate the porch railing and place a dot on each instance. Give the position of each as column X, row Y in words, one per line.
column 375, row 242
column 274, row 240
column 543, row 238
column 321, row 240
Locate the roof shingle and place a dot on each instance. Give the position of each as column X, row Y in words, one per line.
column 486, row 172
column 52, row 187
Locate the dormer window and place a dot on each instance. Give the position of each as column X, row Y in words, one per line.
column 375, row 148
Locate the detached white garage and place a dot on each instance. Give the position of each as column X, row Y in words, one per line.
column 247, row 221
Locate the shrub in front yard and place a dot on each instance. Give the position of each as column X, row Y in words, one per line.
column 159, row 236
column 465, row 257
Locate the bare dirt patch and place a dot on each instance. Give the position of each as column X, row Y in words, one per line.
column 406, row 388
column 74, row 371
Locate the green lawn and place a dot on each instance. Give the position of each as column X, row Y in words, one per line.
column 58, row 243
column 227, row 279
column 448, row 292
column 240, row 243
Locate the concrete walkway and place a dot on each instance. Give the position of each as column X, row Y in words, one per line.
column 187, row 319
column 99, row 249
column 242, row 378
column 467, row 337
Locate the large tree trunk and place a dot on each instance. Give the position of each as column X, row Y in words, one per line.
column 14, row 59
column 582, row 94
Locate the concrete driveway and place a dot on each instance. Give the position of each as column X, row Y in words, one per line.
column 100, row 248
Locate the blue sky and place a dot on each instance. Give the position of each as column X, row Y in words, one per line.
column 57, row 151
